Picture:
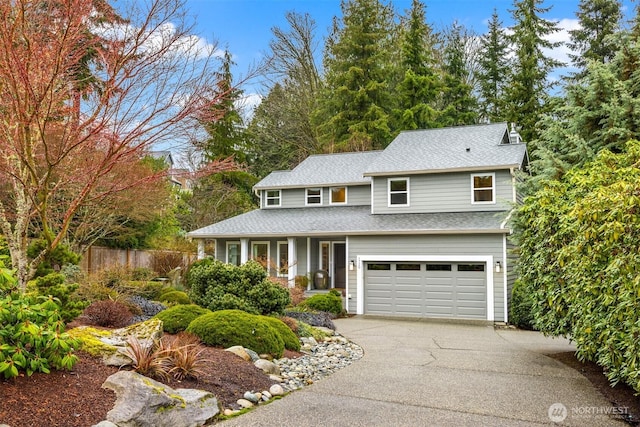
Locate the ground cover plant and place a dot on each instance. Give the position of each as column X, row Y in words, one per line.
column 177, row 318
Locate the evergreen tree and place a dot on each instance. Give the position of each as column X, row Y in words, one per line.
column 602, row 111
column 354, row 105
column 418, row 89
column 599, row 20
column 226, row 132
column 494, row 71
column 459, row 105
column 527, row 89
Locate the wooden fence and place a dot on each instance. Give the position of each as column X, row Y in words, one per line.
column 98, row 258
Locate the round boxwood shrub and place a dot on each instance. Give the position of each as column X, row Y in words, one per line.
column 177, row 318
column 177, row 297
column 331, row 303
column 291, row 341
column 226, row 328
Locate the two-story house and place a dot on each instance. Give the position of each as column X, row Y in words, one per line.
column 418, row 229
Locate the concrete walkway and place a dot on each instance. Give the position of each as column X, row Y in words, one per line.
column 428, row 373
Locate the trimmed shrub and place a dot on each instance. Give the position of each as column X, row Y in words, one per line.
column 331, row 303
column 107, row 313
column 291, row 341
column 226, row 328
column 177, row 318
column 177, row 297
column 219, row 286
column 521, row 307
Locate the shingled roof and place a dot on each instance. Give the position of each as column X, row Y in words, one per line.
column 350, row 220
column 462, row 148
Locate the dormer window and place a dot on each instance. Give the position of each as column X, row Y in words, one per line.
column 338, row 195
column 273, row 198
column 483, row 188
column 398, row 191
column 314, row 196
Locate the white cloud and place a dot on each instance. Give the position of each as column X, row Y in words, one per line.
column 247, row 105
column 561, row 53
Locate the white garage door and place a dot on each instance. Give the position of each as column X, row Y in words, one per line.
column 421, row 289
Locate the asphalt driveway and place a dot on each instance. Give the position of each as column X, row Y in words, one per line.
column 428, row 373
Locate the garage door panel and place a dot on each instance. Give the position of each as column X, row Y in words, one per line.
column 440, row 290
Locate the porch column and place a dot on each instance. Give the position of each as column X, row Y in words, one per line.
column 293, row 262
column 200, row 248
column 244, row 251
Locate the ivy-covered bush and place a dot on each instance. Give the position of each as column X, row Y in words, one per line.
column 175, row 297
column 330, row 302
column 291, row 341
column 32, row 337
column 54, row 284
column 579, row 259
column 219, row 286
column 177, row 318
column 226, row 328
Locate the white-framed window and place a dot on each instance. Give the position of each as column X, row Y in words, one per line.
column 314, row 196
column 398, row 191
column 283, row 259
column 272, row 198
column 338, row 195
column 233, row 253
column 325, row 255
column 483, row 188
column 261, row 252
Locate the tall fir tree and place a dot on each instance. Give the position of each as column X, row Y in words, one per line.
column 458, row 104
column 601, row 111
column 529, row 84
column 494, row 71
column 354, row 106
column 418, row 89
column 226, row 131
column 593, row 41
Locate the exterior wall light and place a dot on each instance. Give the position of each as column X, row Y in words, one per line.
column 498, row 266
column 352, row 265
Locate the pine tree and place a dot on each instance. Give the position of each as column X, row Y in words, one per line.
column 494, row 71
column 599, row 20
column 355, row 103
column 418, row 89
column 459, row 106
column 527, row 89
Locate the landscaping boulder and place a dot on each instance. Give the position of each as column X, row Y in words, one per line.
column 143, row 402
column 110, row 344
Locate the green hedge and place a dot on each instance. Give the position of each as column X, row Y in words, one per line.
column 226, row 328
column 219, row 286
column 579, row 260
column 177, row 318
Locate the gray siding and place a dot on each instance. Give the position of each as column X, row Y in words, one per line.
column 488, row 244
column 446, row 192
column 512, row 258
column 357, row 195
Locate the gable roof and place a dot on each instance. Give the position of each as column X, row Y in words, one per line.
column 461, row 148
column 323, row 170
column 348, row 220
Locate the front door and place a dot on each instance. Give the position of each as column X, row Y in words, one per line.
column 339, row 265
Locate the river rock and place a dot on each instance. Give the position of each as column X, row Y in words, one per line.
column 267, row 366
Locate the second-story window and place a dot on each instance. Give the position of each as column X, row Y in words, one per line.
column 398, row 191
column 314, row 196
column 483, row 188
column 338, row 195
column 273, row 198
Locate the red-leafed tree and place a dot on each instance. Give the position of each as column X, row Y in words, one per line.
column 84, row 93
